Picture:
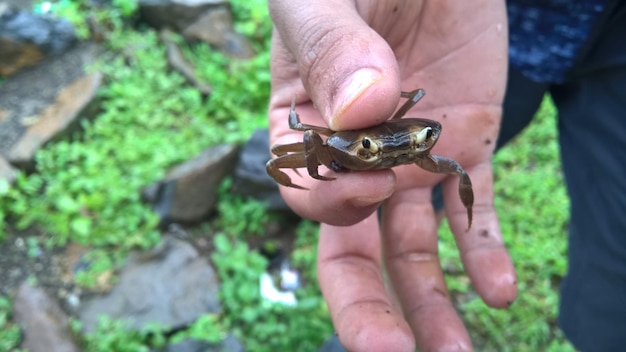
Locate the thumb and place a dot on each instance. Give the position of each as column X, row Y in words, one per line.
column 348, row 70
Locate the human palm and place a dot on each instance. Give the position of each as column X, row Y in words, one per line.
column 346, row 62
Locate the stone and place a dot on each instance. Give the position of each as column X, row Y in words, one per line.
column 188, row 192
column 7, row 172
column 203, row 20
column 216, row 28
column 18, row 4
column 42, row 321
column 175, row 14
column 43, row 102
column 232, row 344
column 26, row 38
column 15, row 56
column 55, row 118
column 177, row 60
column 171, row 285
column 250, row 177
column 229, row 344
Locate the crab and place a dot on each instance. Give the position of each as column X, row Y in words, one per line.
column 397, row 141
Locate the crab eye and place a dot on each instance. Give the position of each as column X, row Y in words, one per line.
column 369, row 145
column 423, row 135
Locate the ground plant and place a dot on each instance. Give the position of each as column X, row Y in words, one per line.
column 86, row 189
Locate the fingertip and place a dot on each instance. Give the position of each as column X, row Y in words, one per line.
column 486, row 259
column 365, row 98
column 493, row 275
column 349, row 71
column 439, row 328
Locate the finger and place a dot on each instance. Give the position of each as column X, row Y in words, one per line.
column 410, row 250
column 344, row 201
column 482, row 249
column 349, row 273
column 348, row 70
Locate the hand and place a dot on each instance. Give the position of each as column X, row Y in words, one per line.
column 346, row 62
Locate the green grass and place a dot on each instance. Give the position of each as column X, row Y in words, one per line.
column 9, row 332
column 86, row 190
column 266, row 326
column 86, row 187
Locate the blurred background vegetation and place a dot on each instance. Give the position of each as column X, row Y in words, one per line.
column 86, row 189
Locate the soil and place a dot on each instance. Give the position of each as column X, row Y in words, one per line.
column 21, row 260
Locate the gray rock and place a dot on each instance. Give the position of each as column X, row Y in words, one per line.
column 43, row 102
column 18, row 4
column 189, row 191
column 229, row 344
column 43, row 323
column 216, row 28
column 251, row 179
column 25, row 38
column 204, row 20
column 189, row 345
column 232, row 344
column 178, row 62
column 175, row 14
column 170, row 285
column 7, row 172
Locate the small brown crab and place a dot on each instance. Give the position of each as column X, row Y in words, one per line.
column 395, row 142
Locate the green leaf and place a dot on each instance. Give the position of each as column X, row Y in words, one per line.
column 82, row 226
column 67, row 204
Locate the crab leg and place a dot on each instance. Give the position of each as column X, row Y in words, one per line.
column 315, row 154
column 442, row 165
column 295, row 124
column 293, row 161
column 414, row 97
column 282, row 149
